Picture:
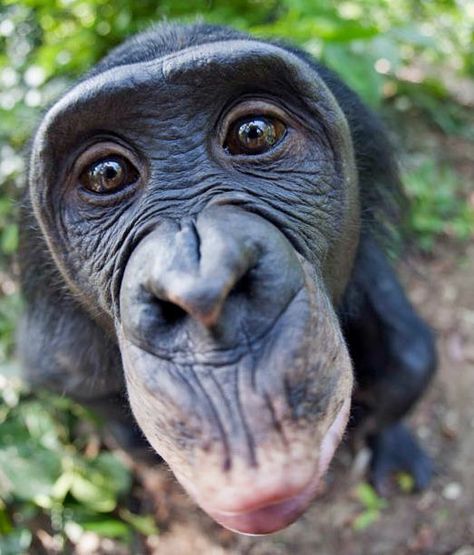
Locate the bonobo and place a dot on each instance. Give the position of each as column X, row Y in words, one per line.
column 200, row 243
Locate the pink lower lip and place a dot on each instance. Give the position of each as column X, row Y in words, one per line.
column 269, row 518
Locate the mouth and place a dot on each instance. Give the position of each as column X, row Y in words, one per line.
column 261, row 513
column 270, row 517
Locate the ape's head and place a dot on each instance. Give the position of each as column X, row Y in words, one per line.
column 198, row 194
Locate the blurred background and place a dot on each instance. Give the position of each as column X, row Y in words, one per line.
column 63, row 486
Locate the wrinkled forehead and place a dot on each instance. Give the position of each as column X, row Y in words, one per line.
column 198, row 77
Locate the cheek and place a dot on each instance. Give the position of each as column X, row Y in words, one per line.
column 310, row 208
column 93, row 248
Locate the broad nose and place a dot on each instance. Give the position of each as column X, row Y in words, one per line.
column 214, row 283
column 200, row 268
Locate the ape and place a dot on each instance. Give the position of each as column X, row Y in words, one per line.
column 200, row 243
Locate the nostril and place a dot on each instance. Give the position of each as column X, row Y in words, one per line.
column 170, row 313
column 244, row 286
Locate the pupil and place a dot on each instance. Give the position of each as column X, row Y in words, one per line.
column 110, row 171
column 106, row 175
column 254, row 131
column 257, row 134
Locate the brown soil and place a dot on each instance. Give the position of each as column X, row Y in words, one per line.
column 438, row 521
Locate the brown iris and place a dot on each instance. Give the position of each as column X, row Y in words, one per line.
column 254, row 135
column 109, row 175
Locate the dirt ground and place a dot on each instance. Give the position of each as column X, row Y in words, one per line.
column 438, row 521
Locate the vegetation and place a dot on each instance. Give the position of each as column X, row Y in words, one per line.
column 409, row 59
column 54, row 475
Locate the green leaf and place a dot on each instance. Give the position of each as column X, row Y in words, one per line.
column 93, row 492
column 405, row 482
column 99, row 483
column 5, row 522
column 29, row 470
column 40, row 424
column 10, row 239
column 117, row 474
column 63, row 486
column 109, row 527
column 365, row 519
column 369, row 498
column 146, row 525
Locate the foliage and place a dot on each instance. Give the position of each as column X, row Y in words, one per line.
column 406, row 482
column 54, row 476
column 439, row 205
column 372, row 504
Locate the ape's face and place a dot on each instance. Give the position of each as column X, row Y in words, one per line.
column 203, row 208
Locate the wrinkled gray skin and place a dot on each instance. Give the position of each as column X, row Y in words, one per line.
column 217, row 275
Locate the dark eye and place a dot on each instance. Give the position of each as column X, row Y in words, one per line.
column 254, row 135
column 108, row 175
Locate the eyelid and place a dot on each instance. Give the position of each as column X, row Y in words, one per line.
column 98, row 151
